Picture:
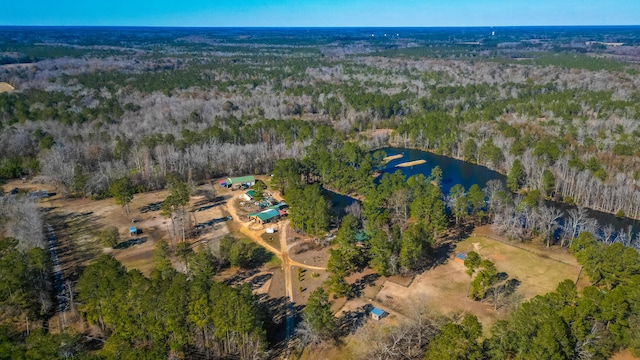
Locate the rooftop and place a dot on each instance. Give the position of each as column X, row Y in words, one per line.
column 377, row 312
column 267, row 214
column 277, row 206
column 360, row 236
column 240, row 180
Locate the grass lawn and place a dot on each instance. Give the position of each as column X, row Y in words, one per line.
column 443, row 289
column 537, row 272
column 272, row 239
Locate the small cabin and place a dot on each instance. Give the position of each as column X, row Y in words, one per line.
column 377, row 314
column 133, row 231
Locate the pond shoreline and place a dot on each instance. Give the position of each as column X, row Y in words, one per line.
column 500, row 171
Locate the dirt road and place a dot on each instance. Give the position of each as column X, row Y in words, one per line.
column 282, row 253
column 288, row 281
column 254, row 235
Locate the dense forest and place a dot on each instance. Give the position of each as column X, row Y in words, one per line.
column 103, row 112
column 207, row 104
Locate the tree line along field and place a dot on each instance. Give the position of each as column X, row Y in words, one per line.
column 144, row 119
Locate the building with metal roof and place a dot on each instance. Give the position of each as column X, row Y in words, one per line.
column 249, row 195
column 279, row 206
column 265, row 216
column 249, row 180
column 377, row 314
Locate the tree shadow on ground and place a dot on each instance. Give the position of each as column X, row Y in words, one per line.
column 510, row 286
column 211, row 202
column 440, row 255
column 360, row 284
column 212, row 222
column 461, row 231
column 502, row 276
column 204, row 208
column 351, row 321
column 276, row 310
column 76, row 242
column 258, row 281
column 261, row 256
column 446, row 245
column 129, row 243
column 503, row 293
column 239, row 277
column 151, row 207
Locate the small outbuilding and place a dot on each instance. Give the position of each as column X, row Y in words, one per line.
column 249, row 195
column 360, row 237
column 377, row 314
column 133, row 231
column 460, row 257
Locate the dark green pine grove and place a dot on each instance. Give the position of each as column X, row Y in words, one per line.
column 24, row 280
column 394, row 244
column 166, row 315
column 170, row 313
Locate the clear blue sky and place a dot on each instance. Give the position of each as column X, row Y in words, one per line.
column 319, row 12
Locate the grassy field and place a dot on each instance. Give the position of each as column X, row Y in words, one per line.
column 536, row 270
column 272, row 239
column 443, row 289
column 77, row 223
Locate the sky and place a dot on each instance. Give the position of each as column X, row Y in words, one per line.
column 323, row 13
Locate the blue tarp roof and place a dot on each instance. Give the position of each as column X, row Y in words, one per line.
column 377, row 312
column 133, row 229
column 461, row 256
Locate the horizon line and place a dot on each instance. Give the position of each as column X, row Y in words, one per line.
column 316, row 27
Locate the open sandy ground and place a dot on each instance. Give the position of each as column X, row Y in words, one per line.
column 411, row 163
column 392, row 157
column 443, row 289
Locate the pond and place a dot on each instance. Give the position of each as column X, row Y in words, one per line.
column 459, row 172
column 453, row 171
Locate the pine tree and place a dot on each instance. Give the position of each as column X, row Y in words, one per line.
column 122, row 192
column 318, row 314
column 516, row 176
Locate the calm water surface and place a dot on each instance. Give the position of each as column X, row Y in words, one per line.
column 459, row 172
